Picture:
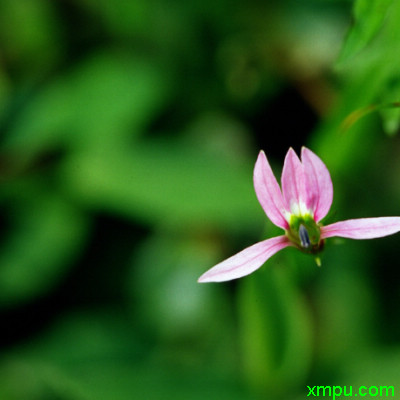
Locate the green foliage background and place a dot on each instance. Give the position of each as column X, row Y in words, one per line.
column 129, row 131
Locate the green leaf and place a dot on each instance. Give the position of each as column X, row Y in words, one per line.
column 171, row 307
column 390, row 108
column 127, row 18
column 45, row 235
column 369, row 16
column 31, row 35
column 106, row 99
column 362, row 371
column 367, row 78
column 165, row 271
column 342, row 288
column 165, row 182
column 96, row 356
column 275, row 330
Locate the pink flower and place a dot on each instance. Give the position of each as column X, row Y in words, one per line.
column 305, row 199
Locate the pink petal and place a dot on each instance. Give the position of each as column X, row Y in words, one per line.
column 245, row 262
column 318, row 183
column 268, row 192
column 363, row 228
column 293, row 182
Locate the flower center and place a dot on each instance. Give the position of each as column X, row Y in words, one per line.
column 305, row 233
column 304, row 238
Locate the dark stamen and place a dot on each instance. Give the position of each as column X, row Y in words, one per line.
column 304, row 238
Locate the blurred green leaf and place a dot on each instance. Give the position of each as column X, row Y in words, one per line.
column 107, row 99
column 276, row 330
column 94, row 356
column 345, row 303
column 5, row 89
column 369, row 17
column 46, row 233
column 367, row 78
column 363, row 371
column 128, row 18
column 173, row 309
column 29, row 35
column 164, row 290
column 86, row 335
column 390, row 111
column 165, row 182
column 78, row 341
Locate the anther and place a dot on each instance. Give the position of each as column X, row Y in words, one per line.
column 304, row 238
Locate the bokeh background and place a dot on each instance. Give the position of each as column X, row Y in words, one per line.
column 129, row 131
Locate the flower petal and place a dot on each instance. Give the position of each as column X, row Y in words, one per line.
column 293, row 184
column 245, row 262
column 318, row 183
column 268, row 192
column 363, row 228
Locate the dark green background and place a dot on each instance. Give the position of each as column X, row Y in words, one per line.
column 128, row 135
